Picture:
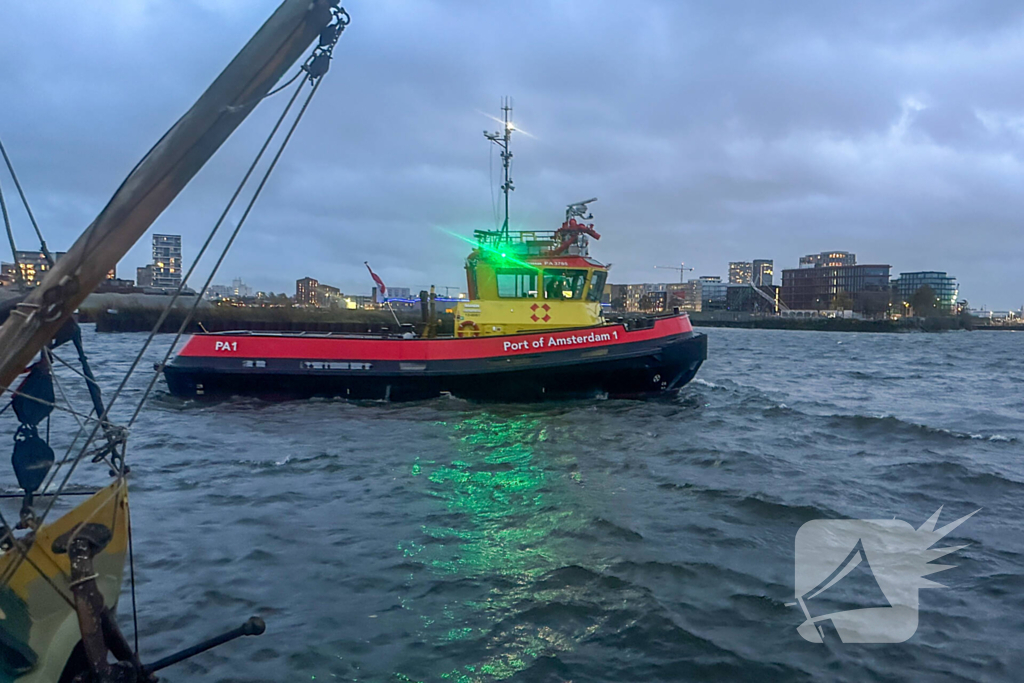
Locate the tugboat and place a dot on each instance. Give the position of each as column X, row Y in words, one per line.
column 533, row 329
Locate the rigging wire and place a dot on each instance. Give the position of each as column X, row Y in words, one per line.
column 56, row 406
column 18, row 275
column 316, row 66
column 103, row 420
column 202, row 250
column 177, row 294
column 24, row 200
column 224, row 252
column 82, row 452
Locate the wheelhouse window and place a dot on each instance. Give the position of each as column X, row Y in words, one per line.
column 597, row 280
column 564, row 284
column 517, row 284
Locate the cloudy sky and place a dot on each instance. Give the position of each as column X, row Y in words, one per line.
column 710, row 131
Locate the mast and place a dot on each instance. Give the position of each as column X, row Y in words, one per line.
column 158, row 178
column 501, row 139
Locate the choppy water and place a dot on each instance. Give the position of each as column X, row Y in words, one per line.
column 584, row 541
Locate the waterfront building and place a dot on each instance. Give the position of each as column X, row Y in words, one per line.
column 329, row 297
column 144, row 276
column 865, row 287
column 166, row 273
column 399, row 293
column 764, row 272
column 712, row 293
column 945, row 287
column 828, row 259
column 217, row 292
column 740, row 272
column 240, row 290
column 33, row 266
column 116, row 286
column 646, row 297
column 359, row 301
column 686, row 296
column 305, row 291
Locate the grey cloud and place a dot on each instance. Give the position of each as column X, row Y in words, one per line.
column 710, row 131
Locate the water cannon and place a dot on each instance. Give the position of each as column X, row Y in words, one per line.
column 580, row 210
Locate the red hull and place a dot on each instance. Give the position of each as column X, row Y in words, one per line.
column 330, row 347
column 662, row 353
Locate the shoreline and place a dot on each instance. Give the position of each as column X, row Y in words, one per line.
column 936, row 324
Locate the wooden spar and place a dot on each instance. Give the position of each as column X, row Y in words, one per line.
column 158, row 179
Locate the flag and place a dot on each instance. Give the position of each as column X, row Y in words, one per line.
column 376, row 278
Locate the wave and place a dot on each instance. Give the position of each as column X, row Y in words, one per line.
column 949, row 475
column 890, row 424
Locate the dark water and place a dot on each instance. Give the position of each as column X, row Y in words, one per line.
column 585, row 541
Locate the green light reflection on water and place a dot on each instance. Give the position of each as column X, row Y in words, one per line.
column 500, row 494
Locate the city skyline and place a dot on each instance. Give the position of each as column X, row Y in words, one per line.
column 712, row 134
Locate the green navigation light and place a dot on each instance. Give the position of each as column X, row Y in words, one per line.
column 490, row 251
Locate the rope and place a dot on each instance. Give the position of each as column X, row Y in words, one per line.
column 89, row 417
column 73, row 369
column 282, row 87
column 28, row 209
column 131, row 569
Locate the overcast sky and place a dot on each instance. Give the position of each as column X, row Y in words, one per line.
column 709, row 131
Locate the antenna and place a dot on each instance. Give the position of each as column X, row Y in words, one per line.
column 501, row 139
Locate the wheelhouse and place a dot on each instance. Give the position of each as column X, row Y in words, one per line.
column 528, row 280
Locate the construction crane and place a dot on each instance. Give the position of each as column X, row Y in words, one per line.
column 681, row 268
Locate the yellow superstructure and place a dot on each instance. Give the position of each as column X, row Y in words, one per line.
column 518, row 282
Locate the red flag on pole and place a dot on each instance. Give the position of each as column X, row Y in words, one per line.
column 376, row 278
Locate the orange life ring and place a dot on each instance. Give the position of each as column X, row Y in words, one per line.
column 467, row 325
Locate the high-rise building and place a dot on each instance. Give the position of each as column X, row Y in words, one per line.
column 945, row 287
column 305, row 291
column 828, row 259
column 166, row 261
column 740, row 272
column 820, row 287
column 764, row 272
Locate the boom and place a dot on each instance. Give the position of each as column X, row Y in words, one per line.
column 161, row 175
